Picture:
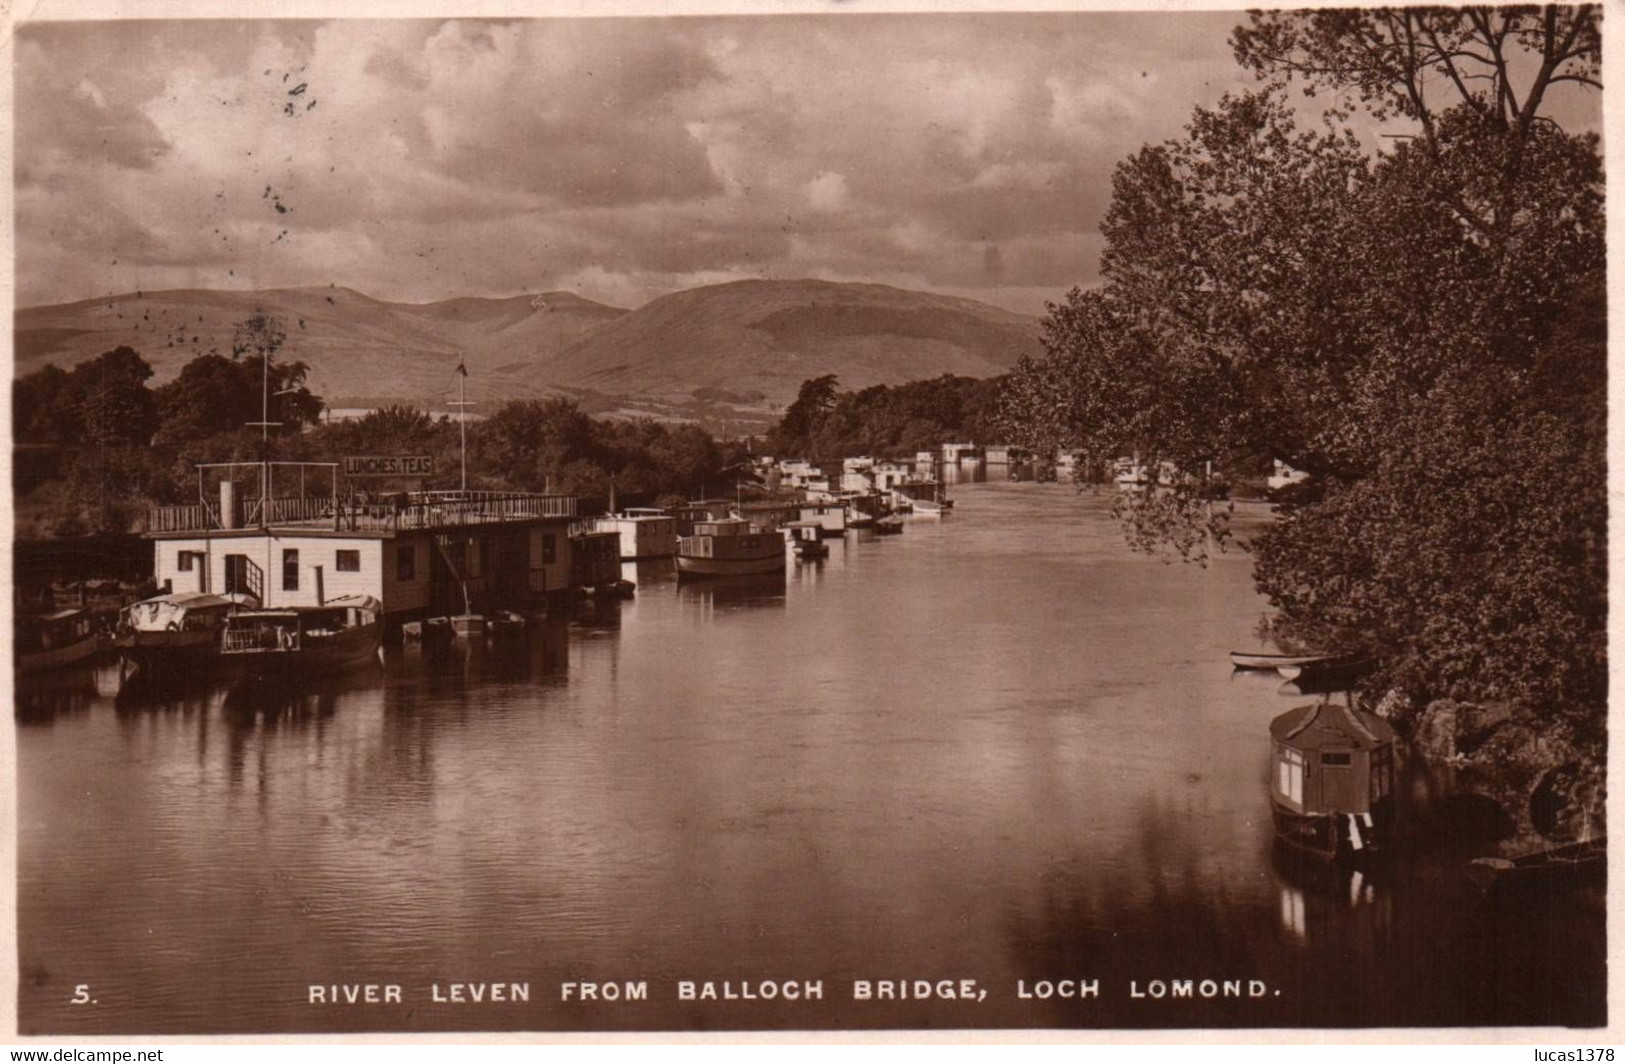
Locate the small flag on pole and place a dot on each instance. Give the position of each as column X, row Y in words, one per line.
column 462, row 369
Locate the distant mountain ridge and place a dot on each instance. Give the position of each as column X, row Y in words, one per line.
column 746, row 344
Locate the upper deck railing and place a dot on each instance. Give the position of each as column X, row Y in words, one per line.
column 398, row 512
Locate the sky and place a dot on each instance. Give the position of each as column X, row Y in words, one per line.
column 620, row 159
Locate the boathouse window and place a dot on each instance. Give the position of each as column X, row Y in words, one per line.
column 1382, row 772
column 1336, row 759
column 549, row 548
column 290, row 570
column 347, row 561
column 183, row 561
column 1290, row 779
column 406, row 562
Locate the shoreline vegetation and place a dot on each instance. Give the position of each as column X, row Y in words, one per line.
column 1415, row 321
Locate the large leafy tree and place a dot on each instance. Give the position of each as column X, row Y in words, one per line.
column 1388, row 322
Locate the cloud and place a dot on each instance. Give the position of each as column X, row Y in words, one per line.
column 418, row 159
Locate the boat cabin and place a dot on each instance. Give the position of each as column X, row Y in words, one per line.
column 186, row 612
column 53, row 633
column 1331, row 760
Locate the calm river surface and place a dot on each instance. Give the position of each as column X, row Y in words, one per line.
column 999, row 747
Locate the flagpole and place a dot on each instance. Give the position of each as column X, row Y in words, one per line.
column 462, row 419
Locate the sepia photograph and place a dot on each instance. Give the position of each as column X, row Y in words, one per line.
column 771, row 520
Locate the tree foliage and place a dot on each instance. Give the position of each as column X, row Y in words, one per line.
column 884, row 419
column 1388, row 322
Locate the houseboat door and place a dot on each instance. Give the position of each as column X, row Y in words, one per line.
column 242, row 575
column 1337, row 781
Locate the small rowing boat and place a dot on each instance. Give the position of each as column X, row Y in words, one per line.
column 1281, row 663
column 1577, row 864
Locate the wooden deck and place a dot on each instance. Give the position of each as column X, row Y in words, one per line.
column 407, row 511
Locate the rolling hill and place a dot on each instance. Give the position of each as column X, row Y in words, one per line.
column 731, row 352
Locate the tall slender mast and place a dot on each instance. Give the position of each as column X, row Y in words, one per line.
column 265, row 424
column 462, row 405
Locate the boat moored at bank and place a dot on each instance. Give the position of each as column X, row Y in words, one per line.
column 1332, row 780
column 54, row 640
column 730, row 547
column 177, row 633
column 285, row 643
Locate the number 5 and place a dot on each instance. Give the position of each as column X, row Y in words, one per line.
column 81, row 995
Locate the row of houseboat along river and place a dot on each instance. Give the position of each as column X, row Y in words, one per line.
column 730, row 547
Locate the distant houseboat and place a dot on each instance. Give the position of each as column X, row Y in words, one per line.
column 286, row 643
column 730, row 547
column 53, row 640
column 830, row 518
column 1332, row 780
column 644, row 533
column 175, row 634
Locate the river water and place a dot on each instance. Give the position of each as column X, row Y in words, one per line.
column 999, row 747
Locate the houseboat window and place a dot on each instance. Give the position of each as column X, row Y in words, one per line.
column 1289, row 780
column 549, row 548
column 1336, row 759
column 747, row 542
column 347, row 561
column 406, row 562
column 183, row 561
column 1382, row 773
column 290, row 570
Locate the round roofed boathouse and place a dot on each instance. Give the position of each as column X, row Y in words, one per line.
column 1332, row 780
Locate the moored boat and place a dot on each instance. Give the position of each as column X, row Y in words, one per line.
column 286, row 643
column 1332, row 780
column 1576, row 864
column 889, row 526
column 178, row 634
column 730, row 547
column 807, row 541
column 430, row 633
column 54, row 640
column 1248, row 659
column 505, row 624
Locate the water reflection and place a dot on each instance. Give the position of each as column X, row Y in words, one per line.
column 42, row 697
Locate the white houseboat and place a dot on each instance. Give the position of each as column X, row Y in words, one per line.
column 645, row 533
column 421, row 553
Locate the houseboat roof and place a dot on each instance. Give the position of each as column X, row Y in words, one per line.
column 189, row 600
column 1331, row 726
column 382, row 517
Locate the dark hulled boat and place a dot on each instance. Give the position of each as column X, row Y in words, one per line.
column 1576, row 864
column 176, row 635
column 46, row 641
column 283, row 644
